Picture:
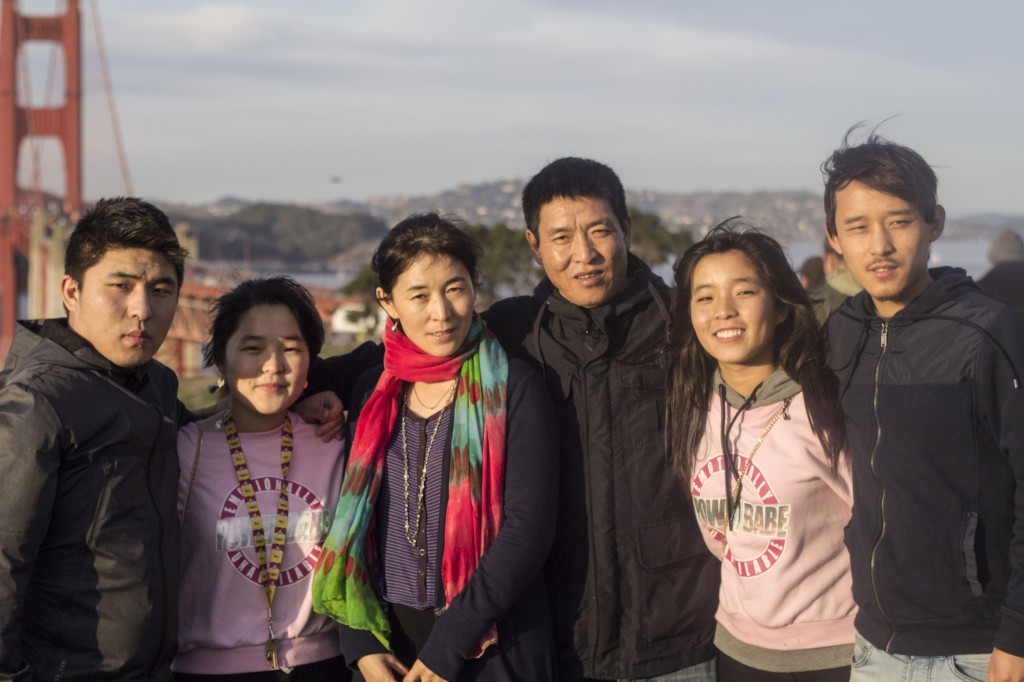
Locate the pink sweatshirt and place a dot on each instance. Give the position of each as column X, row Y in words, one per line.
column 786, row 575
column 223, row 610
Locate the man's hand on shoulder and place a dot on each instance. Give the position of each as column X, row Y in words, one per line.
column 1005, row 667
column 324, row 408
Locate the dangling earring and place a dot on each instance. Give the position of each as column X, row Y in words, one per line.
column 394, row 324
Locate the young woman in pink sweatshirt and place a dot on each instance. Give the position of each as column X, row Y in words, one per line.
column 756, row 431
column 256, row 495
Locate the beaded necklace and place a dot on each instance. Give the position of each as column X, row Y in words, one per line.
column 270, row 571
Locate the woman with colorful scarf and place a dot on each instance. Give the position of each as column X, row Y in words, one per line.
column 445, row 516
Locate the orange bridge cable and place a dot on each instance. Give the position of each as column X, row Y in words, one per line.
column 114, row 121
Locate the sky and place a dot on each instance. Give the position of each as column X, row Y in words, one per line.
column 322, row 100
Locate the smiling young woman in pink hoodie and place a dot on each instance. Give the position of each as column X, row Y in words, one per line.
column 755, row 429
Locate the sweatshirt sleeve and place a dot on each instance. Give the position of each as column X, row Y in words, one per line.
column 518, row 553
column 1001, row 392
column 30, row 457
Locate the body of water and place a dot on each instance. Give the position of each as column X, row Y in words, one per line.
column 969, row 254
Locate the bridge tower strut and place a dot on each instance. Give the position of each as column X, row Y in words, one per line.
column 18, row 122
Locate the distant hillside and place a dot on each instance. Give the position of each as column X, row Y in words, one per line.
column 277, row 233
column 790, row 215
column 234, row 229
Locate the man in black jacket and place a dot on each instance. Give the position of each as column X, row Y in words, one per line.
column 633, row 588
column 88, row 526
column 930, row 368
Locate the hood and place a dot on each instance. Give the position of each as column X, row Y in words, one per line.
column 776, row 388
column 947, row 284
column 605, row 328
column 53, row 342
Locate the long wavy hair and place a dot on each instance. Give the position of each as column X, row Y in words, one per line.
column 799, row 347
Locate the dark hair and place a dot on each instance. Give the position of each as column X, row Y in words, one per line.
column 813, row 269
column 229, row 309
column 121, row 223
column 424, row 233
column 799, row 347
column 883, row 166
column 573, row 178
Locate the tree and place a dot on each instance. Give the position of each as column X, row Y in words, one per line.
column 506, row 263
column 652, row 241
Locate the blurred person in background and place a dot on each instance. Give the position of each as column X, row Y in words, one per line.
column 1006, row 278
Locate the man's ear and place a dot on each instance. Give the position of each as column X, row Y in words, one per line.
column 833, row 241
column 70, row 293
column 627, row 231
column 534, row 243
column 936, row 226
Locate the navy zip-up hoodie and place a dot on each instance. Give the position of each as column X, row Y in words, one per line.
column 935, row 419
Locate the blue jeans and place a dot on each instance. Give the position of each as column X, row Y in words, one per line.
column 870, row 663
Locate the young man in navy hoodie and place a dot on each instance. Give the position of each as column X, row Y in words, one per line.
column 930, row 370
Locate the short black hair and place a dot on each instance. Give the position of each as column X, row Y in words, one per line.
column 883, row 166
column 122, row 223
column 424, row 233
column 573, row 178
column 229, row 309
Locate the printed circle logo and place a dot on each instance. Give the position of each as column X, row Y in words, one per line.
column 765, row 519
column 305, row 524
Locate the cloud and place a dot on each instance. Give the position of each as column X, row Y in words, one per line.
column 264, row 98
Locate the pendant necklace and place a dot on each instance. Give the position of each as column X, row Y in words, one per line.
column 411, row 532
column 270, row 570
column 734, row 498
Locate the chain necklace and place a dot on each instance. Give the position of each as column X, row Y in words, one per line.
column 734, row 498
column 444, row 397
column 270, row 570
column 412, row 533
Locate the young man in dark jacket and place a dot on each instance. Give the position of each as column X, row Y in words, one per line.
column 930, row 368
column 633, row 588
column 88, row 525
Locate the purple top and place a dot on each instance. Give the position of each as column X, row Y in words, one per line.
column 410, row 574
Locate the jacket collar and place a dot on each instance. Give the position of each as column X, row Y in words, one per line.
column 77, row 353
column 946, row 286
column 641, row 283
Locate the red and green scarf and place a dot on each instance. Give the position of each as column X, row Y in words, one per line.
column 345, row 581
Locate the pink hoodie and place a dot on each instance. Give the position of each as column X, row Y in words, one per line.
column 223, row 610
column 786, row 575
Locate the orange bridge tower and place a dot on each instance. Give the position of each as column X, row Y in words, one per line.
column 19, row 121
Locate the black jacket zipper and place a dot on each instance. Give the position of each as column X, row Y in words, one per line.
column 874, row 471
